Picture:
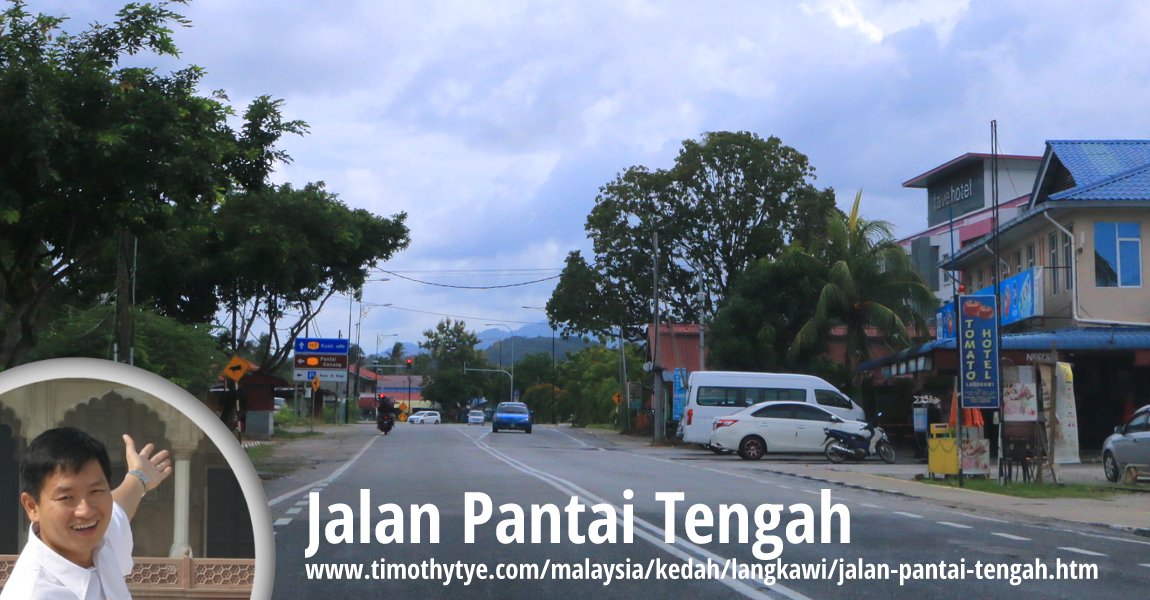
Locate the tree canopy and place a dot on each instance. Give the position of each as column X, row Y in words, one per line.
column 729, row 199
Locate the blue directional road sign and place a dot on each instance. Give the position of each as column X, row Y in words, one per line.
column 322, row 345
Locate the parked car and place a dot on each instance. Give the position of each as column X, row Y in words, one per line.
column 475, row 417
column 714, row 394
column 424, row 417
column 511, row 415
column 776, row 427
column 1128, row 445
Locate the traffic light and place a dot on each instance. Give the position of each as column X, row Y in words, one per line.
column 409, row 364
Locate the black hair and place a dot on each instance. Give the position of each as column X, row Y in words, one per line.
column 64, row 449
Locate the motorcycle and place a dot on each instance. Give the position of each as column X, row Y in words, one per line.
column 868, row 441
column 384, row 423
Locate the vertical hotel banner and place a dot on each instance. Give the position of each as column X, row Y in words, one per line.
column 978, row 351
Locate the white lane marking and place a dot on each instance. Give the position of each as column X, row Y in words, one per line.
column 647, row 531
column 871, row 505
column 281, row 522
column 813, row 492
column 1080, row 551
column 325, row 480
column 906, row 514
column 569, row 436
column 955, row 525
column 1147, row 565
column 1008, row 536
column 295, row 510
column 969, row 516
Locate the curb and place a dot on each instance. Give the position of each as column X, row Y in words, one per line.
column 1139, row 531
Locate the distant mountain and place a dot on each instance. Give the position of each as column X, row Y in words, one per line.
column 524, row 346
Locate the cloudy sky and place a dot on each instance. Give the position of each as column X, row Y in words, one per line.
column 493, row 123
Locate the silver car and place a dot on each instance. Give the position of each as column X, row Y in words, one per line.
column 1128, row 445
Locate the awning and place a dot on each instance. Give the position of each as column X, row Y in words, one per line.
column 1087, row 338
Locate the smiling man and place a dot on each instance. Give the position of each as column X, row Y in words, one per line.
column 80, row 542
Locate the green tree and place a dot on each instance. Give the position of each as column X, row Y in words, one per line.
column 729, row 199
column 285, row 252
column 450, row 348
column 187, row 355
column 768, row 304
column 93, row 154
column 869, row 283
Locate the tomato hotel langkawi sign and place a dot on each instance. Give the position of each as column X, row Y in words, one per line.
column 978, row 351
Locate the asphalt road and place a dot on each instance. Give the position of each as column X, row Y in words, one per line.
column 451, row 467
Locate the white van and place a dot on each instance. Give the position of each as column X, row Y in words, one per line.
column 713, row 394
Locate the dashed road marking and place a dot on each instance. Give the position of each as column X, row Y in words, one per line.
column 1017, row 538
column 906, row 514
column 295, row 510
column 870, row 505
column 955, row 525
column 1080, row 551
column 281, row 522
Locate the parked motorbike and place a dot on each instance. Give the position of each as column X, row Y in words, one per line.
column 867, row 441
column 384, row 423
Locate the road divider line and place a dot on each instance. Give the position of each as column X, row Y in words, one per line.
column 1017, row 538
column 955, row 525
column 906, row 514
column 653, row 534
column 1081, row 551
column 325, row 480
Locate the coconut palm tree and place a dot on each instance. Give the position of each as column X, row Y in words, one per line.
column 869, row 283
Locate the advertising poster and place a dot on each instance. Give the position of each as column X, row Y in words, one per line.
column 978, row 352
column 1065, row 416
column 237, row 236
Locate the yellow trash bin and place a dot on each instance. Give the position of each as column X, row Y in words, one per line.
column 942, row 450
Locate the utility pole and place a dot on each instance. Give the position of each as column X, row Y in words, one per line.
column 659, row 415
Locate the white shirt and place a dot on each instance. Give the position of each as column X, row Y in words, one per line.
column 41, row 574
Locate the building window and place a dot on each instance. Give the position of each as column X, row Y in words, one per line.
column 1052, row 248
column 1017, row 261
column 1030, row 255
column 1117, row 254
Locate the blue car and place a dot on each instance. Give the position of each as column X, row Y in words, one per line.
column 511, row 415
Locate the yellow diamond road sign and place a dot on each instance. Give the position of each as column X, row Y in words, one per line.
column 236, row 369
column 315, row 383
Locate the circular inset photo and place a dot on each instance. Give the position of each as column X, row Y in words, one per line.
column 112, row 476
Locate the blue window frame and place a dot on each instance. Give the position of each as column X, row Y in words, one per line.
column 1117, row 254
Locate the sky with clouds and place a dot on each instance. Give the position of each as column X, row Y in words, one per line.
column 493, row 123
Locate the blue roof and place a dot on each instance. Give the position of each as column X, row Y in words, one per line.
column 1129, row 185
column 1091, row 161
column 1089, row 338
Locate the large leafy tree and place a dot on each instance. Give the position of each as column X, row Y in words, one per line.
column 451, row 347
column 285, row 252
column 869, row 283
column 768, row 304
column 729, row 199
column 93, row 153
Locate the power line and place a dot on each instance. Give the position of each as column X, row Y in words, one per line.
column 471, row 287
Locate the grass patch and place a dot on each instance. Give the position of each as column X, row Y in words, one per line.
column 1033, row 490
column 260, row 453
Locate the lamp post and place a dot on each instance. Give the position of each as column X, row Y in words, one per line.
column 554, row 408
column 379, row 338
column 364, row 308
column 512, row 353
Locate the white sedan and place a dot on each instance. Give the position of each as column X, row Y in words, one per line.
column 475, row 417
column 424, row 416
column 776, row 427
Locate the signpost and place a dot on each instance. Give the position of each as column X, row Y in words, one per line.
column 978, row 352
column 236, row 369
column 321, row 359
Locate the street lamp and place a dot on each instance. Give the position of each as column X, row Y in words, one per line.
column 364, row 308
column 512, row 353
column 379, row 337
column 554, row 408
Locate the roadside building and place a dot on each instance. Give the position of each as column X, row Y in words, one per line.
column 1069, row 267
